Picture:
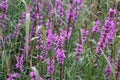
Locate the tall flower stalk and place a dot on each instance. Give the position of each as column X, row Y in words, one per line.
column 60, row 53
column 107, row 33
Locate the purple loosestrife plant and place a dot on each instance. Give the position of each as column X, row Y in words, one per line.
column 117, row 64
column 107, row 33
column 50, row 67
column 3, row 10
column 77, row 8
column 39, row 40
column 59, row 44
column 84, row 35
column 78, row 50
column 60, row 56
column 60, row 53
column 59, row 39
column 20, row 62
column 40, row 46
column 119, row 52
column 108, row 71
column 32, row 75
column 49, row 39
column 60, row 10
column 36, row 17
column 69, row 19
column 21, row 21
column 96, row 28
column 41, row 78
column 12, row 76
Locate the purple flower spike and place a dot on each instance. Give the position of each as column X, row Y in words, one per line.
column 60, row 56
column 96, row 28
column 50, row 67
column 119, row 52
column 32, row 75
column 19, row 62
column 78, row 50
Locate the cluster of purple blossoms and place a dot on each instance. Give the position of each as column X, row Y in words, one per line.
column 49, row 22
column 38, row 15
column 41, row 78
column 69, row 14
column 84, row 35
column 69, row 19
column 96, row 28
column 118, row 52
column 60, row 10
column 49, row 39
column 36, row 18
column 73, row 10
column 39, row 19
column 17, row 31
column 78, row 50
column 39, row 22
column 60, row 53
column 50, row 67
column 117, row 64
column 107, row 33
column 13, row 76
column 19, row 25
column 72, row 15
column 77, row 7
column 3, row 10
column 118, row 68
column 60, row 56
column 108, row 70
column 20, row 62
column 33, row 76
column 95, row 62
column 42, row 55
column 59, row 39
column 40, row 46
column 39, row 40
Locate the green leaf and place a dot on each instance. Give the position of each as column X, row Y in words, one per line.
column 44, row 35
column 27, row 24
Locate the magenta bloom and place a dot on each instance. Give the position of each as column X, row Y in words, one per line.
column 50, row 67
column 78, row 50
column 119, row 52
column 60, row 56
column 84, row 34
column 32, row 75
column 41, row 78
column 49, row 39
column 19, row 62
column 12, row 76
column 96, row 28
column 107, row 33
